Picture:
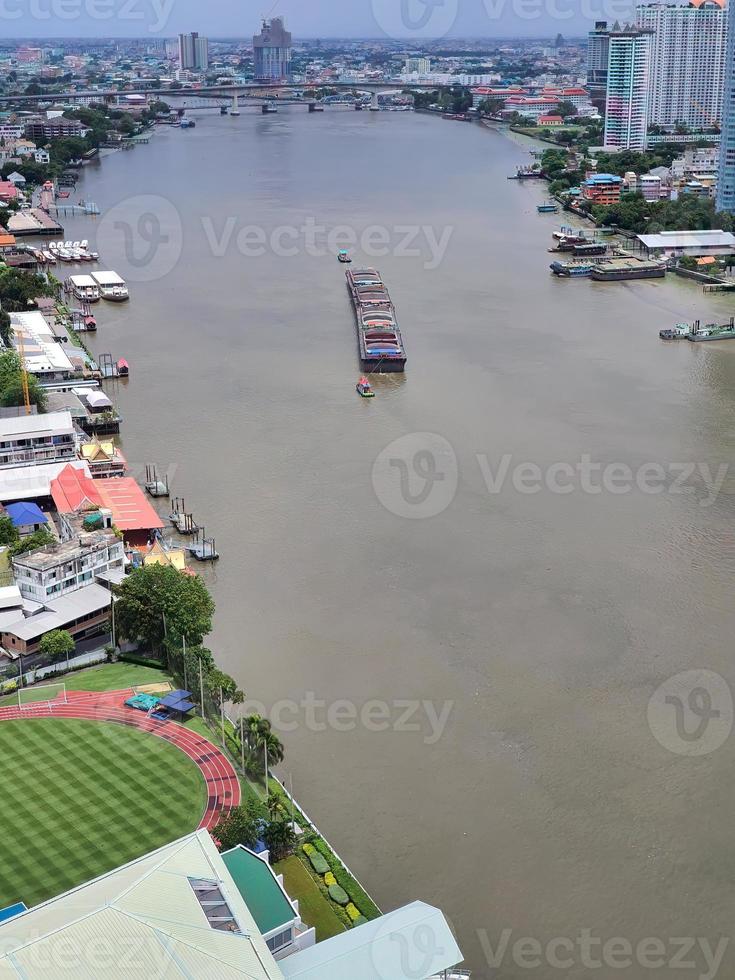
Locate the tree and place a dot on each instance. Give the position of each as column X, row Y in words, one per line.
column 242, row 825
column 8, row 531
column 222, row 687
column 157, row 600
column 565, row 108
column 32, row 542
column 57, row 645
column 279, row 838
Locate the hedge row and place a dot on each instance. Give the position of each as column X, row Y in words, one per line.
column 134, row 658
column 357, row 895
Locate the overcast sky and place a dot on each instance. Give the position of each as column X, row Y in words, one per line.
column 401, row 19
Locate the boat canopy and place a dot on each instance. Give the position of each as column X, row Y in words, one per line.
column 108, row 279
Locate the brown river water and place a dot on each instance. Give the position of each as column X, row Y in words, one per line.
column 460, row 649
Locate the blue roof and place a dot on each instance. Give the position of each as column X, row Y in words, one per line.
column 604, row 179
column 25, row 512
column 12, row 910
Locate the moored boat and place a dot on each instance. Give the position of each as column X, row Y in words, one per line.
column 364, row 388
column 112, row 286
column 123, row 368
column 343, row 256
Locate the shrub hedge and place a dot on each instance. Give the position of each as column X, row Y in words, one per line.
column 329, row 879
column 338, row 895
column 354, row 913
column 357, row 895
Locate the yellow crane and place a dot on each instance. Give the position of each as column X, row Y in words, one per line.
column 23, row 371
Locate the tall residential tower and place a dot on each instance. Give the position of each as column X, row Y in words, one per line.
column 193, row 51
column 726, row 177
column 626, row 104
column 688, row 45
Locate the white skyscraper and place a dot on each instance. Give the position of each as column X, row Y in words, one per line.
column 688, row 46
column 626, row 104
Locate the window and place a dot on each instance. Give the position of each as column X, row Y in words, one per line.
column 214, row 905
column 280, row 940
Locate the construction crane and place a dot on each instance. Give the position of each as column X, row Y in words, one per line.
column 23, row 371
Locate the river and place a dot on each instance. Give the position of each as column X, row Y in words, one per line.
column 529, row 794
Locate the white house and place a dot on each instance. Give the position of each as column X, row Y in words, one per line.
column 42, row 156
column 17, row 179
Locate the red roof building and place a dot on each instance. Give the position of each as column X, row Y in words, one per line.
column 8, row 190
column 132, row 514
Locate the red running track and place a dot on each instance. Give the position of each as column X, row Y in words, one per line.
column 223, row 786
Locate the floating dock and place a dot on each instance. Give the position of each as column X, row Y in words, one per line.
column 378, row 337
column 615, row 270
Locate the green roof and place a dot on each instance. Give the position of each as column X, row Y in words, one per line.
column 259, row 889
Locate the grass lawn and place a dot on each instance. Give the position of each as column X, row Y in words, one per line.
column 112, row 677
column 81, row 797
column 314, row 907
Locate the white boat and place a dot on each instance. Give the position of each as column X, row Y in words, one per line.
column 64, row 255
column 112, row 286
column 49, row 256
column 85, row 288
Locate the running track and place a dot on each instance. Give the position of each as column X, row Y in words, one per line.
column 223, row 786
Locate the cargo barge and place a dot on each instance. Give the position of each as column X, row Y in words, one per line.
column 378, row 337
column 618, row 269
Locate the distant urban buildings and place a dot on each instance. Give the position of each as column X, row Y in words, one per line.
column 272, row 52
column 725, row 200
column 598, row 54
column 193, row 52
column 417, row 66
column 687, row 66
column 628, row 77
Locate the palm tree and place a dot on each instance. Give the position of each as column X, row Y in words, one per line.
column 256, row 727
column 273, row 747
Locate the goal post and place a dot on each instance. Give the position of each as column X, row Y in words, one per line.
column 41, row 694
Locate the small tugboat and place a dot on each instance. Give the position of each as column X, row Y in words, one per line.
column 364, row 388
column 343, row 255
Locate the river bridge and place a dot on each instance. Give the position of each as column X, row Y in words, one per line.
column 256, row 90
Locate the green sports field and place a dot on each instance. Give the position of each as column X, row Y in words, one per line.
column 81, row 797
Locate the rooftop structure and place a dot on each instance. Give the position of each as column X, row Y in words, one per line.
column 29, row 439
column 43, row 356
column 178, row 912
column 675, row 243
column 72, row 491
column 33, row 482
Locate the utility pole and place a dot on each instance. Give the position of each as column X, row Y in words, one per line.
column 265, row 754
column 222, row 716
column 201, row 686
column 242, row 744
column 183, row 640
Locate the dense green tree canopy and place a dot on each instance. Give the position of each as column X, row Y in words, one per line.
column 158, row 600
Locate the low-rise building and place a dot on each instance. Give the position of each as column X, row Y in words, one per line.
column 79, row 560
column 29, row 439
column 550, row 121
column 103, row 458
column 677, row 243
column 42, row 354
column 43, row 129
column 604, row 189
column 82, row 613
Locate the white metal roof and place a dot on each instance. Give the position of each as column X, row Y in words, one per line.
column 10, row 597
column 32, row 482
column 139, row 921
column 689, row 239
column 82, row 281
column 52, row 424
column 43, row 355
column 412, row 943
column 108, row 279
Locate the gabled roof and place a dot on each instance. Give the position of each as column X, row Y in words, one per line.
column 24, row 513
column 141, row 920
column 73, row 491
